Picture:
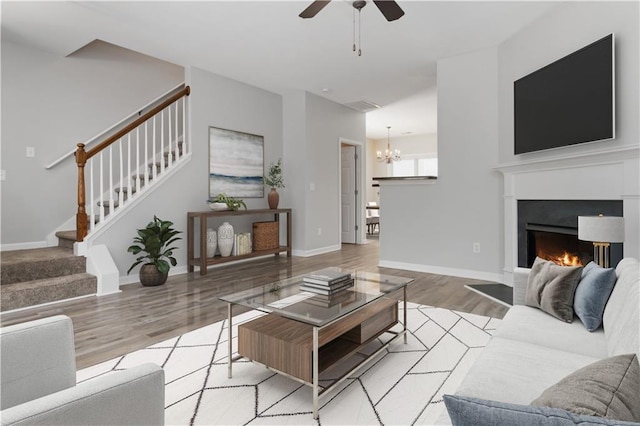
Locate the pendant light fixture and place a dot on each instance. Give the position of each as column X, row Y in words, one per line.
column 389, row 155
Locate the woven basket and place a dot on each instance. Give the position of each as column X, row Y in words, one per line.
column 265, row 235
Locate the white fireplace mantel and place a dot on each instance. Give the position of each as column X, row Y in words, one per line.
column 612, row 174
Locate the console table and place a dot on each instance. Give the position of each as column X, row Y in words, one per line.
column 203, row 261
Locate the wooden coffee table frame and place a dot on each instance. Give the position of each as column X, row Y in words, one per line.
column 330, row 334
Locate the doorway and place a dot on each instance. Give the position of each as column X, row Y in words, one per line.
column 351, row 207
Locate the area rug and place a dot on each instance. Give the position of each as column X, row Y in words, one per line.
column 403, row 385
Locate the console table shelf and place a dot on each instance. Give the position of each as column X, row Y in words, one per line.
column 203, row 262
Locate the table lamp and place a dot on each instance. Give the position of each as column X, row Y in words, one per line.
column 602, row 231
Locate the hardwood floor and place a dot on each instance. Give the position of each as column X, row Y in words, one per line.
column 109, row 326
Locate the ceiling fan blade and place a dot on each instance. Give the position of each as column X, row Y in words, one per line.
column 389, row 9
column 314, row 8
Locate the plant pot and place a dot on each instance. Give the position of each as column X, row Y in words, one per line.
column 273, row 198
column 150, row 276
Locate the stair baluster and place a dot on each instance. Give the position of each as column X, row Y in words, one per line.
column 140, row 171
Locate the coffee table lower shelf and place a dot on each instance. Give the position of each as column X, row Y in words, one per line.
column 287, row 346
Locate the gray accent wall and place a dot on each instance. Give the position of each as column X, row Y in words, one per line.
column 313, row 128
column 52, row 103
column 570, row 27
column 214, row 101
column 432, row 227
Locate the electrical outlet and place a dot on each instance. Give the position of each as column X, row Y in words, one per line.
column 476, row 247
column 31, row 152
column 3, row 175
column 319, row 231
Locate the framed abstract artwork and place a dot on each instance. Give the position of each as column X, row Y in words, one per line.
column 236, row 164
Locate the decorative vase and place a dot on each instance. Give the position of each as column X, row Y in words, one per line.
column 273, row 198
column 225, row 239
column 150, row 275
column 212, row 242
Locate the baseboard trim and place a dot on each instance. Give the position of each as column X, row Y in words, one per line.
column 24, row 246
column 315, row 252
column 455, row 272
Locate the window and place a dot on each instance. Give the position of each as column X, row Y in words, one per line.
column 415, row 165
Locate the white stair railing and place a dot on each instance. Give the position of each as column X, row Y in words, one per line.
column 113, row 184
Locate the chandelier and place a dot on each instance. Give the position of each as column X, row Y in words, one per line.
column 389, row 156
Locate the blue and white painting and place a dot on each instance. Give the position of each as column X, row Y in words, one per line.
column 236, row 164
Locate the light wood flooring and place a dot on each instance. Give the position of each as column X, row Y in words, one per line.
column 109, row 326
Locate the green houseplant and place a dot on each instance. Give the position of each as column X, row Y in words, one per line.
column 274, row 179
column 231, row 202
column 154, row 242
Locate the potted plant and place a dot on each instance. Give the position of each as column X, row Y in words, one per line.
column 275, row 180
column 222, row 198
column 155, row 242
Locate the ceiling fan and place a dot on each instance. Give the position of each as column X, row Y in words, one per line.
column 389, row 8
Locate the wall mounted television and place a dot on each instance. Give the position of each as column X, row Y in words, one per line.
column 569, row 101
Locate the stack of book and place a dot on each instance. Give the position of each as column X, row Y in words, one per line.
column 342, row 298
column 326, row 281
column 241, row 244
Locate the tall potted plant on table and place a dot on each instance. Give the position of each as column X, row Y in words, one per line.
column 274, row 180
column 154, row 242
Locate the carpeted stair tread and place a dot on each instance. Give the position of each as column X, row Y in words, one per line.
column 66, row 239
column 36, row 292
column 36, row 264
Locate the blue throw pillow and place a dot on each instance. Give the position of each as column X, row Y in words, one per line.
column 592, row 294
column 466, row 411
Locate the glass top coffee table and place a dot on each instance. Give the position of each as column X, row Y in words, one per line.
column 304, row 334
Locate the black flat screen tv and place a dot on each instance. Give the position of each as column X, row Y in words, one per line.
column 569, row 101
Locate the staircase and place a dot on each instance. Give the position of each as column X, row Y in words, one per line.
column 123, row 163
column 36, row 276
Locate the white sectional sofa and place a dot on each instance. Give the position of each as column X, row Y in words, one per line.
column 532, row 350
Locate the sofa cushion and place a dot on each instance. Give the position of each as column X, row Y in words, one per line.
column 551, row 288
column 621, row 315
column 518, row 372
column 466, row 411
column 592, row 294
column 531, row 325
column 607, row 388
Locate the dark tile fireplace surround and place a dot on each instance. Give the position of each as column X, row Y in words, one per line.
column 549, row 229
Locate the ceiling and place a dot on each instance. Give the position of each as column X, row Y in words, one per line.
column 266, row 44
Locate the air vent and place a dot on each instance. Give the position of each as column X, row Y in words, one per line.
column 362, row 106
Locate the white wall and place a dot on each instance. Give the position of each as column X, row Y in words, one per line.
column 433, row 227
column 313, row 128
column 598, row 170
column 570, row 27
column 475, row 139
column 52, row 103
column 214, row 101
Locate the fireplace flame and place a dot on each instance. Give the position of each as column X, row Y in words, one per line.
column 567, row 259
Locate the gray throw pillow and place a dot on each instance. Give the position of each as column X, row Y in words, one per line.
column 468, row 411
column 607, row 388
column 592, row 294
column 551, row 288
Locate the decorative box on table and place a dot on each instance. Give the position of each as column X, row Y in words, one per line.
column 266, row 235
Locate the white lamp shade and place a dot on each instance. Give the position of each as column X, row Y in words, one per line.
column 602, row 229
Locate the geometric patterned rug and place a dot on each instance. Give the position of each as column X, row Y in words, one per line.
column 403, row 385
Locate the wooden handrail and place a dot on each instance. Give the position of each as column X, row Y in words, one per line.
column 111, row 139
column 82, row 156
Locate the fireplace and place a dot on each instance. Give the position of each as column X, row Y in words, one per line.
column 549, row 229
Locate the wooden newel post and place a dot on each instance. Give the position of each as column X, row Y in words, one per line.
column 81, row 215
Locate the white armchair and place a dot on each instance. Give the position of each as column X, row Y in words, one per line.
column 38, row 382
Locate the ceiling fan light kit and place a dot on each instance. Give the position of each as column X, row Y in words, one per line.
column 389, row 8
